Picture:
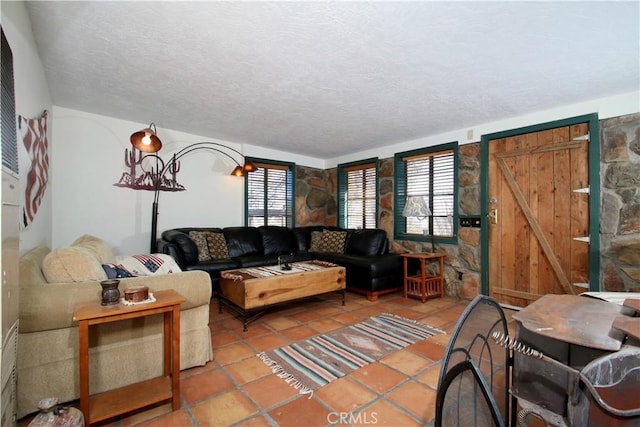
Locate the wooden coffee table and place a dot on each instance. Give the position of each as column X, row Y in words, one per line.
column 251, row 291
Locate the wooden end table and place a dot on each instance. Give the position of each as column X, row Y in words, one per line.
column 424, row 286
column 106, row 405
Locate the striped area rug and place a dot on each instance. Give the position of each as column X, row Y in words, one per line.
column 312, row 363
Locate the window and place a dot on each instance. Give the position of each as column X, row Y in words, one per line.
column 8, row 110
column 358, row 194
column 269, row 193
column 430, row 174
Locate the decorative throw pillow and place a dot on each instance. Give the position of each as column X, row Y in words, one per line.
column 333, row 241
column 316, row 242
column 200, row 239
column 217, row 246
column 72, row 264
column 99, row 247
column 147, row 264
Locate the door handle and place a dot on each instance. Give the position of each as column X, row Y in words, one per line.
column 493, row 216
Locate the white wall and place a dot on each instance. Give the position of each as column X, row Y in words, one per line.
column 613, row 106
column 89, row 159
column 32, row 98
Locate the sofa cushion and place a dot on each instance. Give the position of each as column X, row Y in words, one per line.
column 276, row 240
column 99, row 247
column 72, row 264
column 217, row 245
column 200, row 240
column 243, row 241
column 367, row 242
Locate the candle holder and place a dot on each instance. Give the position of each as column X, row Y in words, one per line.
column 110, row 292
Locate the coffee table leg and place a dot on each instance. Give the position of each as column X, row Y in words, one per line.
column 344, row 296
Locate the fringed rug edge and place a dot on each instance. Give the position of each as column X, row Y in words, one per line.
column 286, row 376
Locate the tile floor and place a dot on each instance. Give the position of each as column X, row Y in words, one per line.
column 237, row 389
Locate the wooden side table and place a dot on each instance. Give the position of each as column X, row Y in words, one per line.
column 103, row 406
column 424, row 286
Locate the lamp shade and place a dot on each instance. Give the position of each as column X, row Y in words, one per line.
column 146, row 140
column 416, row 207
column 237, row 171
column 249, row 166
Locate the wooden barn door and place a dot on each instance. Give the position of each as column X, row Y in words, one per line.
column 538, row 214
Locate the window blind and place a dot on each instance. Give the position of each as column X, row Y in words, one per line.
column 358, row 195
column 431, row 175
column 270, row 195
column 8, row 110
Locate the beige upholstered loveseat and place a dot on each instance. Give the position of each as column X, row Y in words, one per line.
column 120, row 353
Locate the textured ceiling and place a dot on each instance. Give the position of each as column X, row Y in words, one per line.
column 325, row 79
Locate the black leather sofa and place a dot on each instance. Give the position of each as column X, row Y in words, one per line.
column 370, row 268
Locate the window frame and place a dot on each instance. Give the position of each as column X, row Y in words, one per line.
column 289, row 167
column 400, row 194
column 343, row 170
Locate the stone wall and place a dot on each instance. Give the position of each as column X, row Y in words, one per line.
column 316, row 196
column 620, row 207
column 316, row 204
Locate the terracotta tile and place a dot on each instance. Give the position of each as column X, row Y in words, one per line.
column 300, row 412
column 384, row 414
column 406, row 362
column 329, row 309
column 140, row 417
column 344, row 395
column 269, row 391
column 253, row 330
column 417, row 398
column 197, row 370
column 248, row 370
column 428, row 348
column 266, row 342
column 223, row 338
column 298, row 333
column 442, row 339
column 348, row 318
column 378, row 377
column 201, row 386
column 306, row 316
column 257, row 421
column 430, row 375
column 325, row 325
column 177, row 418
column 223, row 409
column 408, row 313
column 281, row 323
column 232, row 353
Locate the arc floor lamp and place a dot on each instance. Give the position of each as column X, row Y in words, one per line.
column 162, row 176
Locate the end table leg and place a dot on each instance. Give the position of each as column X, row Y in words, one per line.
column 175, row 357
column 83, row 334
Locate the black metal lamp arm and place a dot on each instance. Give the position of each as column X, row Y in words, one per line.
column 162, row 169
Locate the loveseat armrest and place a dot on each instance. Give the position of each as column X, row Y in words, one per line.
column 51, row 305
